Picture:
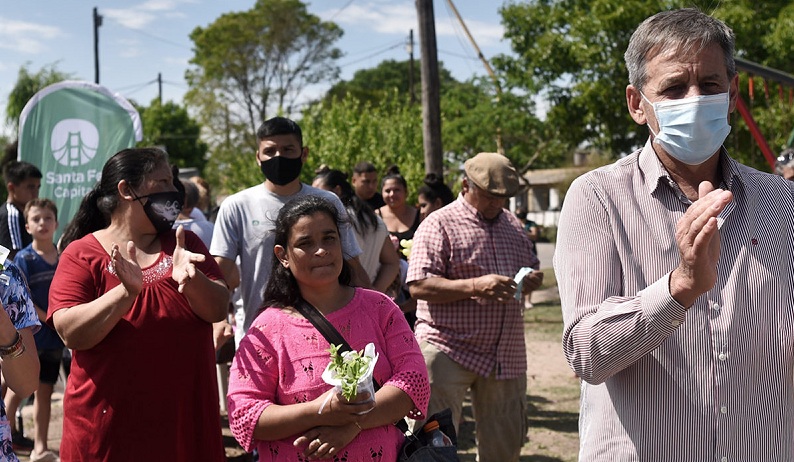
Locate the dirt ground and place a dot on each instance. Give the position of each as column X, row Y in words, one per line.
column 552, row 394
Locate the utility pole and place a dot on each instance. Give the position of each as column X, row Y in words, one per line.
column 431, row 94
column 160, row 88
column 411, row 67
column 97, row 23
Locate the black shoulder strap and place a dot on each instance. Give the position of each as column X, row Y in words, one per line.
column 321, row 324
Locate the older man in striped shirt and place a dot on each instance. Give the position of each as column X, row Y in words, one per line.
column 675, row 271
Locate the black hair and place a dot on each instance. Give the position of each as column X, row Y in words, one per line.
column 434, row 188
column 364, row 167
column 282, row 287
column 279, row 126
column 366, row 220
column 17, row 171
column 94, row 213
column 393, row 173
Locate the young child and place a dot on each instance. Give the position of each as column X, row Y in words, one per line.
column 23, row 181
column 37, row 262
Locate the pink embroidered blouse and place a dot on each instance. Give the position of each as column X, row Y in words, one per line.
column 282, row 357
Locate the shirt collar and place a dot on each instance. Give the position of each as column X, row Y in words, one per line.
column 655, row 173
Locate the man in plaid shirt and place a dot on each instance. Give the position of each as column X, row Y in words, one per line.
column 462, row 270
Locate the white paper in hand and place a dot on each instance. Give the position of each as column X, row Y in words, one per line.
column 520, row 280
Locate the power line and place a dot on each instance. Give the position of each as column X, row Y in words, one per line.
column 152, row 36
column 135, row 85
column 377, row 47
column 341, row 10
column 458, row 55
column 372, row 55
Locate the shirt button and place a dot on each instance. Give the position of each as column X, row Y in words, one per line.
column 723, row 356
column 724, row 409
column 715, row 307
column 675, row 323
column 724, row 459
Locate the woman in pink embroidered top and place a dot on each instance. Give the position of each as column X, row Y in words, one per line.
column 277, row 399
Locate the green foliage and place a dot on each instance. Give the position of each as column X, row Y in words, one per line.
column 27, row 85
column 349, row 369
column 571, row 51
column 347, row 131
column 231, row 169
column 248, row 64
column 170, row 126
column 379, row 82
column 471, row 117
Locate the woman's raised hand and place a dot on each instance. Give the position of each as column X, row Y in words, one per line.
column 127, row 269
column 184, row 268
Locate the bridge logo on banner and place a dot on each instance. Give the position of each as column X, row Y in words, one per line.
column 69, row 130
column 74, row 142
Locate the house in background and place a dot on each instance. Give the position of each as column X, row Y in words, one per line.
column 544, row 190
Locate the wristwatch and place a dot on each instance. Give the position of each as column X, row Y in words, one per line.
column 15, row 349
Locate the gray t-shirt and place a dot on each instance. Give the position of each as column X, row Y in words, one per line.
column 244, row 228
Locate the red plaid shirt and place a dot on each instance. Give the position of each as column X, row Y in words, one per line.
column 457, row 243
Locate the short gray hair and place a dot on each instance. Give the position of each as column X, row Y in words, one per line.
column 685, row 30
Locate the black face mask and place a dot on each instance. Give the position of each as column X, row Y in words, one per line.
column 161, row 209
column 281, row 170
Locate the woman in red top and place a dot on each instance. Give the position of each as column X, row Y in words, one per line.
column 135, row 301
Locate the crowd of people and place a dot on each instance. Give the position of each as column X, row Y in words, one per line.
column 674, row 266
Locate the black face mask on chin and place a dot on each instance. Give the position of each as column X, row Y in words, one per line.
column 281, row 170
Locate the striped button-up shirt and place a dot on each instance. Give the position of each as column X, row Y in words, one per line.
column 455, row 242
column 661, row 382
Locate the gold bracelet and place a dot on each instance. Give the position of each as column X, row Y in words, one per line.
column 14, row 350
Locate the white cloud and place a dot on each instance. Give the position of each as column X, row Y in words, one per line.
column 384, row 19
column 485, row 34
column 26, row 37
column 143, row 14
column 129, row 17
column 159, row 5
column 399, row 18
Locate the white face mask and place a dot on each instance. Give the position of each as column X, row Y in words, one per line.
column 692, row 129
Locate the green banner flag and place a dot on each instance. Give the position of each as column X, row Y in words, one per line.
column 69, row 130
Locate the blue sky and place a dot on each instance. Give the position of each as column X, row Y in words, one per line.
column 140, row 38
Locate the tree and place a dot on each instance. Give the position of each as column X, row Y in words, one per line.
column 248, row 64
column 572, row 52
column 380, row 82
column 27, row 85
column 349, row 131
column 471, row 114
column 169, row 125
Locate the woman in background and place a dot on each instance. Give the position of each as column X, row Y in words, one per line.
column 401, row 220
column 433, row 195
